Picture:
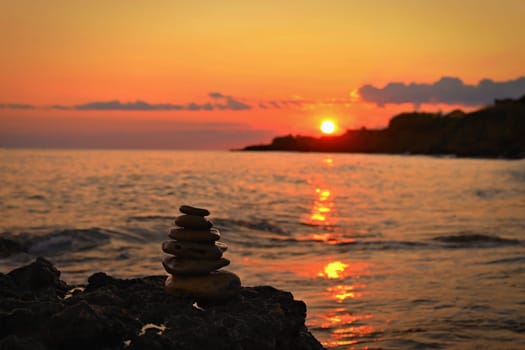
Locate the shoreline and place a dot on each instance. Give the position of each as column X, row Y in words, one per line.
column 406, row 154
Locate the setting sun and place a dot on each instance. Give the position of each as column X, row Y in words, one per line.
column 327, row 127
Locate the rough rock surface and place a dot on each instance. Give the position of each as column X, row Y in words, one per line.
column 39, row 311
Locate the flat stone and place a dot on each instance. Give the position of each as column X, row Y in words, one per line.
column 181, row 234
column 177, row 266
column 193, row 222
column 218, row 285
column 188, row 249
column 186, row 209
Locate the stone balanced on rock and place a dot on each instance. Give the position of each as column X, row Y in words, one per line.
column 195, row 257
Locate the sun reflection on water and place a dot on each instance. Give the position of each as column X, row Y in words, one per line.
column 341, row 292
column 333, row 270
column 328, row 237
column 339, row 279
column 328, row 161
column 321, row 208
column 346, row 329
column 340, row 282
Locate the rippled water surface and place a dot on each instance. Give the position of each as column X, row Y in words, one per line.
column 390, row 252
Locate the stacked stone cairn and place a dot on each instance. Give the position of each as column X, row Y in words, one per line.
column 195, row 255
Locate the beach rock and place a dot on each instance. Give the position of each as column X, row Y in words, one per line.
column 181, row 234
column 187, row 249
column 178, row 266
column 193, row 222
column 94, row 325
column 186, row 209
column 12, row 342
column 39, row 277
column 218, row 285
column 261, row 318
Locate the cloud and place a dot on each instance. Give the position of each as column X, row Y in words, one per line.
column 234, row 105
column 274, row 104
column 128, row 106
column 219, row 102
column 447, row 90
column 62, row 108
column 16, row 106
column 198, row 107
column 217, row 95
column 229, row 103
column 296, row 102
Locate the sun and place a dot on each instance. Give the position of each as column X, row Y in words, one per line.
column 327, row 127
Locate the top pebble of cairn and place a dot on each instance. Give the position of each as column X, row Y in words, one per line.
column 186, row 209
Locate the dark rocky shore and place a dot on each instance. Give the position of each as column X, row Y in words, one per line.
column 39, row 311
column 492, row 132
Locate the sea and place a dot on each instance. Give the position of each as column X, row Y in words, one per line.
column 387, row 251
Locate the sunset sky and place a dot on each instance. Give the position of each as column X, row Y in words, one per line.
column 224, row 74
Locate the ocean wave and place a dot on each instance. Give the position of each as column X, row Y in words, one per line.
column 488, row 193
column 315, row 223
column 36, row 197
column 414, row 344
column 465, row 240
column 285, row 178
column 150, row 218
column 10, row 245
column 342, row 242
column 349, row 242
column 441, row 242
column 514, row 260
column 517, row 174
column 53, row 243
column 393, row 245
column 261, row 225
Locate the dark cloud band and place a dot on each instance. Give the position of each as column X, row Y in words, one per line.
column 222, row 102
column 16, row 106
column 447, row 90
column 229, row 103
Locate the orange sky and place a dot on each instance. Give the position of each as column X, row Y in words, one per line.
column 313, row 54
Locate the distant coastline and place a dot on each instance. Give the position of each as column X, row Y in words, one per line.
column 497, row 131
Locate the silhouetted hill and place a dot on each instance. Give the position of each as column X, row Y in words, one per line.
column 495, row 131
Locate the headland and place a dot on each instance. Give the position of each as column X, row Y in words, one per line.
column 492, row 132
